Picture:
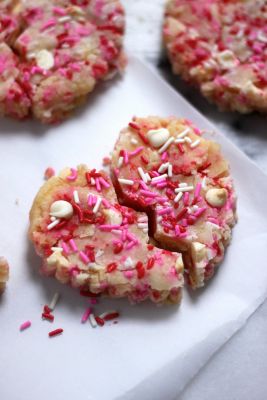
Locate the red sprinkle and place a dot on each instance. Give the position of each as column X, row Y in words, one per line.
column 118, row 248
column 50, row 317
column 111, row 316
column 47, row 310
column 100, row 321
column 180, row 148
column 144, row 159
column 55, row 332
column 134, row 126
column 140, row 270
column 111, row 267
column 150, row 263
column 142, row 136
column 150, row 247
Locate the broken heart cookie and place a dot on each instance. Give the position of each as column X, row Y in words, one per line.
column 59, row 51
column 90, row 241
column 220, row 47
column 167, row 169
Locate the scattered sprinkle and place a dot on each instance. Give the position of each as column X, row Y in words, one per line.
column 195, row 144
column 55, row 332
column 128, row 182
column 25, row 325
column 86, row 315
column 53, row 224
column 76, row 197
column 92, row 320
column 54, row 301
column 166, row 145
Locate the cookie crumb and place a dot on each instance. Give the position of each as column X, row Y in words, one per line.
column 4, row 273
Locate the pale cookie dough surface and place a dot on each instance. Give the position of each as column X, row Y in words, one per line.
column 4, row 273
column 165, row 168
column 88, row 240
column 220, row 46
column 61, row 50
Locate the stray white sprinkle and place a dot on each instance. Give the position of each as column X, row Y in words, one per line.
column 120, row 162
column 142, row 174
column 65, row 18
column 166, row 145
column 54, row 301
column 159, row 178
column 99, row 253
column 188, row 140
column 148, row 177
column 128, row 263
column 53, row 224
column 170, row 170
column 184, row 133
column 92, row 181
column 59, row 249
column 163, row 167
column 97, row 205
column 183, row 184
column 126, row 182
column 76, row 197
column 178, row 197
column 179, row 140
column 184, row 189
column 142, row 225
column 204, row 182
column 92, row 320
column 195, row 144
column 134, row 141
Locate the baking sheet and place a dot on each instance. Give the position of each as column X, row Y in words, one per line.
column 152, row 352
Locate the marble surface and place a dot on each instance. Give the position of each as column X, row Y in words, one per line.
column 238, row 370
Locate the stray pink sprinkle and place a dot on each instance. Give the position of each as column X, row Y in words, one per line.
column 156, row 183
column 143, row 185
column 65, row 248
column 164, row 211
column 25, row 325
column 197, row 190
column 85, row 315
column 147, row 193
column 186, row 199
column 84, row 257
column 104, row 182
column 108, row 228
column 73, row 245
column 164, row 156
column 49, row 173
column 136, row 151
column 73, row 176
column 97, row 185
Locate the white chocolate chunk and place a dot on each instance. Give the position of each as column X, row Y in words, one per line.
column 61, row 209
column 199, row 252
column 227, row 59
column 45, row 59
column 216, row 197
column 113, row 217
column 158, row 137
column 57, row 260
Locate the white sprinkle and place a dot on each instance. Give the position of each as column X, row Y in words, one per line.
column 134, row 141
column 116, row 232
column 92, row 181
column 59, row 249
column 170, row 170
column 54, row 301
column 148, row 177
column 120, row 162
column 142, row 174
column 159, row 178
column 183, row 184
column 76, row 197
column 163, row 167
column 184, row 189
column 65, row 18
column 179, row 141
column 99, row 253
column 184, row 133
column 195, row 144
column 188, row 140
column 166, row 145
column 142, row 225
column 194, row 208
column 129, row 262
column 97, row 205
column 204, row 183
column 178, row 197
column 53, row 224
column 128, row 182
column 92, row 321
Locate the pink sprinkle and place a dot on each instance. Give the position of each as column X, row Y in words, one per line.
column 37, row 70
column 147, row 193
column 104, row 182
column 48, row 24
column 115, row 242
column 97, row 185
column 184, row 223
column 49, row 173
column 86, row 315
column 164, row 156
column 130, row 245
column 106, row 203
column 65, row 248
column 166, row 225
column 164, row 211
column 163, row 180
column 143, row 185
column 124, row 235
column 25, row 325
column 186, row 199
column 162, row 185
column 154, row 174
column 128, row 274
column 183, row 235
column 130, row 236
column 84, row 257
column 135, row 152
column 108, row 228
column 73, row 176
column 125, row 157
column 177, row 230
column 200, row 211
column 214, row 220
column 197, row 190
column 59, row 11
column 89, row 201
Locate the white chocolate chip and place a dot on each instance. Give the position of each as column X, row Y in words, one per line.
column 199, row 252
column 113, row 217
column 216, row 197
column 61, row 209
column 57, row 260
column 227, row 59
column 45, row 59
column 158, row 137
